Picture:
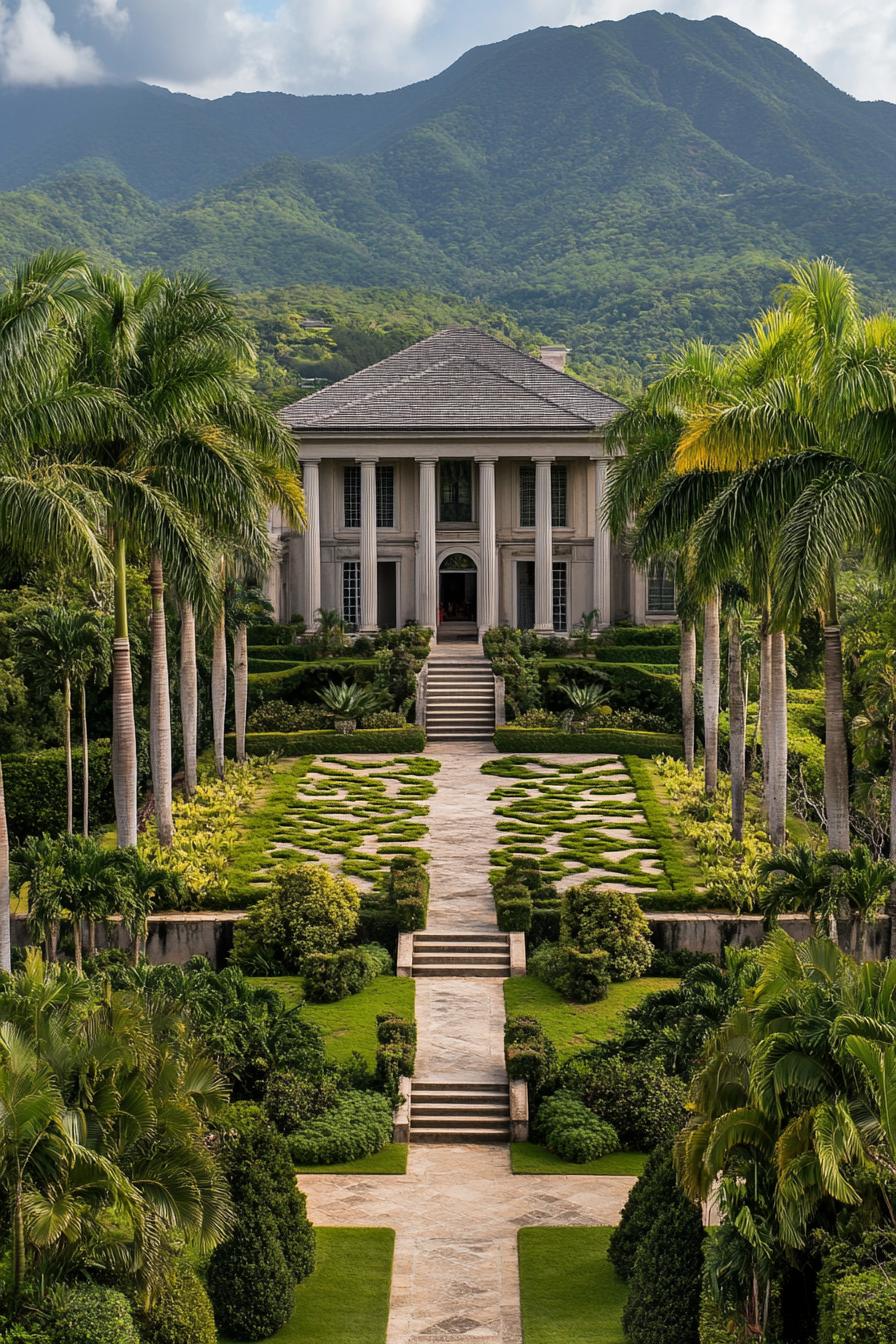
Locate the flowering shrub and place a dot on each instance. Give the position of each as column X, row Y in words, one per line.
column 206, row 828
column 731, row 866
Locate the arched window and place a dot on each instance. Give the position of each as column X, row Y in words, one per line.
column 456, row 563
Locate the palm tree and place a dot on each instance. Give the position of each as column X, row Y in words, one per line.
column 875, row 731
column 189, row 694
column 145, row 883
column 45, row 510
column 861, row 883
column 245, row 604
column 737, row 713
column 59, row 646
column 92, row 888
column 799, row 879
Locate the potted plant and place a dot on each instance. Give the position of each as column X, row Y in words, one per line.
column 347, row 702
column 586, row 701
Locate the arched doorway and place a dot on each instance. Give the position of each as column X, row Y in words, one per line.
column 457, row 596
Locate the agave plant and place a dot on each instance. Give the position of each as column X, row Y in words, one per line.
column 347, row 702
column 586, row 699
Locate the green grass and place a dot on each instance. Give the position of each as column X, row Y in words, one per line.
column 533, row 1159
column 576, row 1026
column 569, row 1292
column 347, row 1296
column 389, row 1161
column 350, row 1024
column 259, row 828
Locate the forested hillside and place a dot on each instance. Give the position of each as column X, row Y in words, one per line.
column 619, row 186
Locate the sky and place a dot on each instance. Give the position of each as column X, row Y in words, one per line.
column 213, row 47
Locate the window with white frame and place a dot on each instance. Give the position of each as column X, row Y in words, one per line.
column 385, row 495
column 351, row 593
column 660, row 589
column 560, row 603
column 558, row 495
column 351, row 494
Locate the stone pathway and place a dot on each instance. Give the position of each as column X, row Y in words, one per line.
column 457, row 1211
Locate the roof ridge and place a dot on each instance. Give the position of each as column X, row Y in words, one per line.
column 389, row 387
column 530, row 391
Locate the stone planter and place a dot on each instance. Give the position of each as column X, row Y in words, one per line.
column 344, row 725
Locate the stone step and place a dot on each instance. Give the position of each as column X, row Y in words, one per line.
column 451, row 1134
column 463, row 1112
column 456, row 1087
column 462, row 971
column 487, row 964
column 459, row 735
column 461, row 939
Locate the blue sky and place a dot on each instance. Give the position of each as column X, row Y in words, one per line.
column 213, row 47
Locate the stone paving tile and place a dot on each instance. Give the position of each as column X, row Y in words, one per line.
column 460, row 1029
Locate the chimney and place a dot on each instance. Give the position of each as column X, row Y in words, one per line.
column 554, row 356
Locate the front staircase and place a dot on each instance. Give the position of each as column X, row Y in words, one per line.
column 462, row 955
column 460, row 1112
column 460, row 697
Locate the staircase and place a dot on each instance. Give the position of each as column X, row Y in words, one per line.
column 457, row 1112
column 462, row 954
column 460, row 697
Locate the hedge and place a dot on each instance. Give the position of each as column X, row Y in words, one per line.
column 642, row 654
column 34, row 784
column 307, row 678
column 641, row 634
column 612, row 741
column 326, row 742
column 631, row 685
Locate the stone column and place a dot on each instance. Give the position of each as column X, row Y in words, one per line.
column 488, row 566
column 427, row 577
column 311, row 595
column 603, row 597
column 544, row 604
column 368, row 625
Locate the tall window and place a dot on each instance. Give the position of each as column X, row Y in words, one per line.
column 558, row 595
column 351, row 593
column 385, row 495
column 558, row 495
column 660, row 589
column 455, row 490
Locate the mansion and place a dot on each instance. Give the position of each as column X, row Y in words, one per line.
column 460, row 484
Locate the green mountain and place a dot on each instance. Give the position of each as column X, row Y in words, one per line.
column 619, row 186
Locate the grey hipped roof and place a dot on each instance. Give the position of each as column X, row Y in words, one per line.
column 458, row 380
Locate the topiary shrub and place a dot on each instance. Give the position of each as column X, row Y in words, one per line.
column 864, row 1308
column 181, row 1311
column 594, row 919
column 307, row 910
column 291, row 1099
column 396, row 1052
column 249, row 1281
column 529, row 1053
column 650, row 1193
column 574, row 1133
column 358, row 1124
column 279, row 716
column 643, row 1103
column 408, row 892
column 384, row 718
column 664, row 1288
column 582, row 977
column 330, row 976
column 88, row 1313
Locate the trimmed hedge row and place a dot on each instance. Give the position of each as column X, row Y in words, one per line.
column 326, row 742
column 641, row 634
column 613, row 741
column 309, row 677
column 631, row 685
column 34, row 784
column 664, row 655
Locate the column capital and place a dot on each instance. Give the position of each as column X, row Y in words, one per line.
column 309, row 461
column 543, row 457
column 368, row 460
column 427, row 460
column 486, row 457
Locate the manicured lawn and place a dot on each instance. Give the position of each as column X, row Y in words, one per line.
column 389, row 1161
column 569, row 1292
column 575, row 1026
column 347, row 1296
column 350, row 1024
column 532, row 1159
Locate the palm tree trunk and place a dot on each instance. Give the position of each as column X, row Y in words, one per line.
column 777, row 721
column 688, row 669
column 891, row 903
column 219, row 688
column 160, row 707
column 738, row 728
column 85, row 765
column 78, row 945
column 764, row 719
column 189, row 696
column 836, row 761
column 124, row 732
column 240, row 686
column 5, row 915
column 711, row 677
column 69, row 773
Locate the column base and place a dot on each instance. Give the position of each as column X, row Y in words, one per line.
column 544, row 630
column 368, row 629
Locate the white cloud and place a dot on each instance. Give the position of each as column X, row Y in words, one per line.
column 213, row 47
column 33, row 51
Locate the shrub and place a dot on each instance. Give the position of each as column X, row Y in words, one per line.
column 529, row 1052
column 573, row 1132
column 594, row 919
column 649, row 1195
column 384, row 718
column 864, row 1308
column 307, row 910
column 34, row 786
column 358, row 1124
column 616, row 741
column 279, row 716
column 181, row 1310
column 848, row 1259
column 325, row 742
column 330, row 976
column 514, row 912
column 664, row 1289
column 408, row 892
column 582, row 977
column 290, row 1099
column 396, row 1051
column 642, row 1103
column 249, row 1281
column 632, row 685
column 90, row 1314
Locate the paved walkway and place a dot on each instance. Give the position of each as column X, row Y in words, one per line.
column 457, row 1211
